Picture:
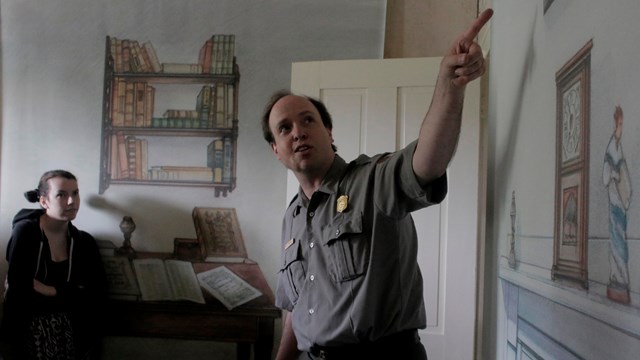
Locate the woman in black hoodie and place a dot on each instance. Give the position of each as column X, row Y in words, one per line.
column 56, row 284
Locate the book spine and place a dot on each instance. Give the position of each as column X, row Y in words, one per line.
column 138, row 162
column 118, row 56
column 215, row 158
column 134, row 61
column 153, row 57
column 203, row 103
column 140, row 103
column 227, row 158
column 230, row 114
column 123, row 163
column 211, row 124
column 119, row 103
column 114, row 101
column 144, row 158
column 232, row 54
column 149, row 104
column 205, row 57
column 146, row 59
column 129, row 104
column 220, row 105
column 113, row 44
column 131, row 156
column 225, row 54
column 178, row 68
column 143, row 66
column 114, row 166
column 126, row 55
column 216, row 54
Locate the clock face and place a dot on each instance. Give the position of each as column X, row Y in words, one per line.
column 571, row 121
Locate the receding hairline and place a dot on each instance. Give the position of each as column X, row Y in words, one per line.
column 312, row 108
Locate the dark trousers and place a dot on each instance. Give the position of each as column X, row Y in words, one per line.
column 404, row 345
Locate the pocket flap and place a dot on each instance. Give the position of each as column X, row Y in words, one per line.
column 342, row 226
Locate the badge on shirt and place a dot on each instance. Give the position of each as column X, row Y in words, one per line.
column 343, row 202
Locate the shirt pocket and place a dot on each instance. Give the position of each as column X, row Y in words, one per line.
column 294, row 271
column 347, row 246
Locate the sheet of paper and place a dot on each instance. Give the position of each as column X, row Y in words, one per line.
column 227, row 287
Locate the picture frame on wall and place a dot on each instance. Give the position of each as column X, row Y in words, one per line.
column 572, row 170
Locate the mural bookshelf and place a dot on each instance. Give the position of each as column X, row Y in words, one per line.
column 136, row 137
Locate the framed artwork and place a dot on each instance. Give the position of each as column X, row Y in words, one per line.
column 572, row 170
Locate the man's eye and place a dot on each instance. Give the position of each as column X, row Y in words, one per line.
column 283, row 129
column 309, row 119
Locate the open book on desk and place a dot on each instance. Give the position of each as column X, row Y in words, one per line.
column 168, row 279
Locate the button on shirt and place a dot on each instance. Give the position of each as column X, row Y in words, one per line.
column 351, row 276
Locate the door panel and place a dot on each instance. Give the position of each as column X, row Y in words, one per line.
column 378, row 106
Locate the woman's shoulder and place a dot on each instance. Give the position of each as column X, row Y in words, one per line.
column 20, row 225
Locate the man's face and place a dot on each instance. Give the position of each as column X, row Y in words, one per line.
column 301, row 141
column 63, row 199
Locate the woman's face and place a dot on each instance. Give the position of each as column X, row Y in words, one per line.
column 62, row 201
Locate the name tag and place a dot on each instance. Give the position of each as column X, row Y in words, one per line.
column 289, row 243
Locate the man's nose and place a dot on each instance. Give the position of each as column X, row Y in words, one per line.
column 299, row 133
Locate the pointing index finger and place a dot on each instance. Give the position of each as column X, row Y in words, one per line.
column 477, row 25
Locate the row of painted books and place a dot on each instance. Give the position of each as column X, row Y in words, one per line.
column 216, row 56
column 129, row 161
column 129, row 157
column 131, row 56
column 133, row 106
column 132, row 103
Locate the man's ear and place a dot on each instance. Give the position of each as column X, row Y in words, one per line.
column 274, row 148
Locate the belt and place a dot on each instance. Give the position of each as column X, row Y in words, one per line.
column 375, row 348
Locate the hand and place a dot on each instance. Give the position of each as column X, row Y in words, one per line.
column 465, row 61
column 43, row 289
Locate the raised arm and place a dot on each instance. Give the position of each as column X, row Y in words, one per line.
column 441, row 126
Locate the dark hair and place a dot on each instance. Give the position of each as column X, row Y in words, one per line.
column 322, row 110
column 43, row 185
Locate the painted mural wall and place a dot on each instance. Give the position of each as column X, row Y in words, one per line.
column 53, row 61
column 564, row 118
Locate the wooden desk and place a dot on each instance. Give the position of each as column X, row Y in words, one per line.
column 251, row 323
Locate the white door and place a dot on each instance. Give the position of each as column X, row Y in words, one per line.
column 378, row 106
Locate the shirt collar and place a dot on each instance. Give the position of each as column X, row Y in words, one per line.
column 331, row 180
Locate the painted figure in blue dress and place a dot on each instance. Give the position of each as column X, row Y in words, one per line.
column 615, row 176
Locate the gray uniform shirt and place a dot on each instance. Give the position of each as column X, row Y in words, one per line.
column 350, row 276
